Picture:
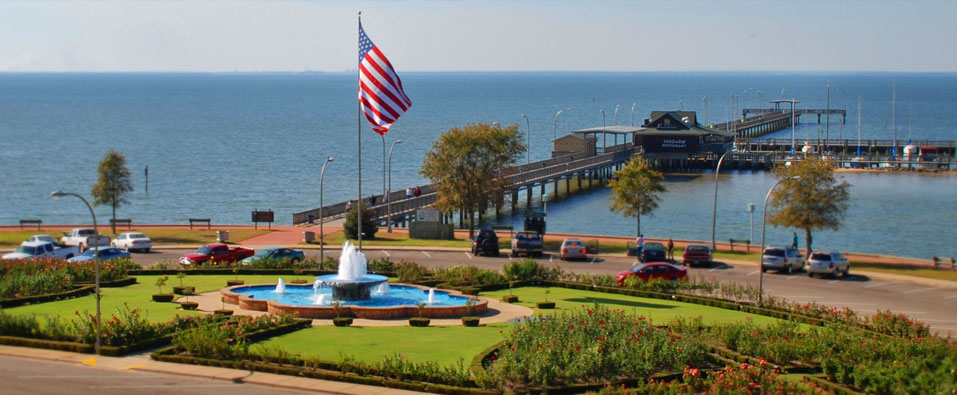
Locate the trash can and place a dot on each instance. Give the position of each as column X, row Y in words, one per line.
column 222, row 236
column 309, row 237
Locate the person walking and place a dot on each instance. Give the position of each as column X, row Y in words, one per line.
column 795, row 242
column 408, row 193
column 671, row 249
column 639, row 244
column 418, row 192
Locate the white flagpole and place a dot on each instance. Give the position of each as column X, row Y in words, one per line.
column 359, row 139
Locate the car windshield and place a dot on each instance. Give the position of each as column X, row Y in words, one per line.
column 572, row 243
column 821, row 257
column 204, row 250
column 654, row 246
column 263, row 253
column 526, row 235
column 774, row 252
column 26, row 250
column 639, row 267
column 137, row 236
column 697, row 249
column 85, row 232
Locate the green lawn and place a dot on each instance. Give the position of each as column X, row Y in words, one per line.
column 139, row 296
column 442, row 344
column 13, row 238
column 906, row 270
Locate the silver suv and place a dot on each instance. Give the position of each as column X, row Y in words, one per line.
column 782, row 259
column 831, row 263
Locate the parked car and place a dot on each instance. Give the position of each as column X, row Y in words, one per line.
column 276, row 254
column 84, row 238
column 46, row 238
column 831, row 263
column 41, row 249
column 697, row 254
column 106, row 254
column 528, row 243
column 782, row 259
column 132, row 241
column 486, row 242
column 651, row 270
column 216, row 253
column 573, row 248
column 654, row 251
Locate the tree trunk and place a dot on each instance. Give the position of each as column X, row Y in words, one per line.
column 638, row 225
column 471, row 224
column 807, row 235
column 113, row 223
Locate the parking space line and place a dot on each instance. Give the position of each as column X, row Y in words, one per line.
column 754, row 272
column 716, row 268
column 593, row 259
column 635, row 263
column 386, row 253
column 509, row 256
column 921, row 290
column 833, row 281
column 792, row 277
column 468, row 255
column 881, row 284
column 550, row 257
column 951, row 297
column 427, row 254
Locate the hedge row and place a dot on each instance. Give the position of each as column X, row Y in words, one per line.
column 73, row 293
column 229, row 270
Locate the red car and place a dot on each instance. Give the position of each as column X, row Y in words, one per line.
column 216, row 253
column 697, row 253
column 662, row 270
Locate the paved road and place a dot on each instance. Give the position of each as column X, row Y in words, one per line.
column 31, row 376
column 936, row 306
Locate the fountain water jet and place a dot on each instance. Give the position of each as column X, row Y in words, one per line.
column 280, row 286
column 352, row 283
column 431, row 296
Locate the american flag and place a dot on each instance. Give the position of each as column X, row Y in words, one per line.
column 380, row 90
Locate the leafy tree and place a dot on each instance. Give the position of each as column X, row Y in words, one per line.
column 465, row 164
column 113, row 184
column 369, row 227
column 816, row 201
column 634, row 191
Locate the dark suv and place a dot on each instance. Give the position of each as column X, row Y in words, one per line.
column 486, row 242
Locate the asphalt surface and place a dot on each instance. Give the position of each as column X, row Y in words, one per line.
column 934, row 305
column 30, row 376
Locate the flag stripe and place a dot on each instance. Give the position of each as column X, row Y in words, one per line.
column 381, row 95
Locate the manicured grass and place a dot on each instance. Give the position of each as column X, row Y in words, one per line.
column 13, row 238
column 139, row 296
column 906, row 270
column 397, row 239
column 659, row 310
column 442, row 344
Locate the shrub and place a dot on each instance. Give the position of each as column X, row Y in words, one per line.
column 189, row 305
column 369, row 227
column 21, row 278
column 419, row 321
column 232, row 283
column 522, row 270
column 510, row 299
column 743, row 379
column 470, row 321
column 210, row 341
column 397, row 367
column 163, row 298
column 380, row 265
column 410, row 272
column 184, row 290
column 225, row 312
column 545, row 305
column 342, row 321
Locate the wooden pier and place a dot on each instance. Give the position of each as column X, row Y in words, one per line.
column 576, row 168
column 807, row 111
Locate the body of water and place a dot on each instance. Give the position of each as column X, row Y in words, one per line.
column 222, row 145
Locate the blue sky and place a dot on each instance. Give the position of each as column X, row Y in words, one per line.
column 433, row 35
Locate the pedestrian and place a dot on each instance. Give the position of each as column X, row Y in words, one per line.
column 348, row 206
column 671, row 249
column 639, row 244
column 795, row 242
column 418, row 192
column 408, row 193
column 372, row 201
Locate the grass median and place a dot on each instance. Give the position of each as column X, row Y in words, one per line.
column 160, row 236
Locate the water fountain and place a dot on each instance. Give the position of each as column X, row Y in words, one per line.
column 280, row 287
column 352, row 282
column 431, row 296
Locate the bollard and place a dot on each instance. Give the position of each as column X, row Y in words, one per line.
column 952, row 265
column 936, row 263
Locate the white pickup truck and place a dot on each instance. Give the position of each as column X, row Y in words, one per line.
column 84, row 238
column 42, row 249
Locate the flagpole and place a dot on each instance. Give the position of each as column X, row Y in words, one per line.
column 359, row 138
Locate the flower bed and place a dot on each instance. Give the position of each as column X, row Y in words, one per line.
column 25, row 278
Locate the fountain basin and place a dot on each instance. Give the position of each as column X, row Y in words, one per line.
column 450, row 304
column 352, row 290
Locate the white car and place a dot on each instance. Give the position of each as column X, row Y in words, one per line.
column 36, row 238
column 783, row 259
column 132, row 241
column 84, row 238
column 41, row 249
column 829, row 263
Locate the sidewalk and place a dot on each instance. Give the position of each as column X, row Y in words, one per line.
column 142, row 362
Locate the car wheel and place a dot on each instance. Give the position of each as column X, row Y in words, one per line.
column 810, row 275
column 146, row 250
column 835, row 273
column 847, row 272
column 789, row 269
column 763, row 269
column 68, row 256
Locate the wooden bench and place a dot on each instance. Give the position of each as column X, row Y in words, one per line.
column 199, row 220
column 128, row 222
column 36, row 222
column 739, row 242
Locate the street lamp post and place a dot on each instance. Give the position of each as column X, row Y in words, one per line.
column 545, row 199
column 633, row 105
column 555, row 133
column 604, row 136
column 705, row 100
column 681, row 105
column 388, row 198
column 764, row 225
column 714, row 215
column 322, row 246
column 617, row 106
column 96, row 263
column 528, row 141
column 751, row 211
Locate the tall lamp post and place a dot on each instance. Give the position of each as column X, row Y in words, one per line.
column 96, row 263
column 633, row 105
column 388, row 198
column 764, row 225
column 545, row 199
column 714, row 215
column 751, row 211
column 528, row 141
column 604, row 136
column 555, row 133
column 617, row 106
column 322, row 246
column 705, row 100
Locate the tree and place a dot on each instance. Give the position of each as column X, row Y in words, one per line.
column 465, row 164
column 635, row 189
column 816, row 201
column 113, row 184
column 369, row 227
